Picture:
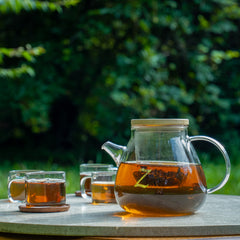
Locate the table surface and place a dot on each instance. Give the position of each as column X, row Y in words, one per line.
column 219, row 216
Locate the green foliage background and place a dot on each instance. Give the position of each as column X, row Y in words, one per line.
column 73, row 73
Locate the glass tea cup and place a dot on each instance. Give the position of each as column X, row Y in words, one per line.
column 87, row 169
column 102, row 187
column 46, row 188
column 16, row 185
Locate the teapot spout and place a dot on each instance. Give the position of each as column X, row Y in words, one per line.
column 115, row 151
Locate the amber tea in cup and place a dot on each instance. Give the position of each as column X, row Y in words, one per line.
column 88, row 168
column 16, row 185
column 46, row 188
column 102, row 187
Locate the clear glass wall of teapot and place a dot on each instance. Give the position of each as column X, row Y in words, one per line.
column 159, row 172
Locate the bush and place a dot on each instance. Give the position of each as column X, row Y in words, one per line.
column 85, row 71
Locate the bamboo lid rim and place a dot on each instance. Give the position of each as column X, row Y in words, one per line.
column 159, row 122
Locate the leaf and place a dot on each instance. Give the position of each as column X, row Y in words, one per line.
column 26, row 5
column 13, row 73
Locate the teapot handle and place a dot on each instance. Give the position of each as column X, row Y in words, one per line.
column 225, row 155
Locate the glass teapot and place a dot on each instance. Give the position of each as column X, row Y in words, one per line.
column 159, row 172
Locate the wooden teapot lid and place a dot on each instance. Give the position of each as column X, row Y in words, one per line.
column 154, row 122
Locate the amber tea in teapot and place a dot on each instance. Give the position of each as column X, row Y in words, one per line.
column 159, row 172
column 166, row 188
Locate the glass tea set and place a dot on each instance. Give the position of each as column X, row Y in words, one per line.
column 158, row 172
column 37, row 190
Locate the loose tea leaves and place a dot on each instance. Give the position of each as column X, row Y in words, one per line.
column 148, row 177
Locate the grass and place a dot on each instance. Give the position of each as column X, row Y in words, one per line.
column 213, row 172
column 214, row 169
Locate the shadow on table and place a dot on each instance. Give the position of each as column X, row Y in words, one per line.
column 8, row 236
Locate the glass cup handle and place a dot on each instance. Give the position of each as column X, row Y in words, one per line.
column 83, row 190
column 225, row 155
column 10, row 195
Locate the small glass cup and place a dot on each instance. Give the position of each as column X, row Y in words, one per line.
column 88, row 168
column 46, row 188
column 16, row 185
column 102, row 186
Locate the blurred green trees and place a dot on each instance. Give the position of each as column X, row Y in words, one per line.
column 73, row 73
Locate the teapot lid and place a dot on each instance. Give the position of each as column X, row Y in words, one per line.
column 159, row 122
